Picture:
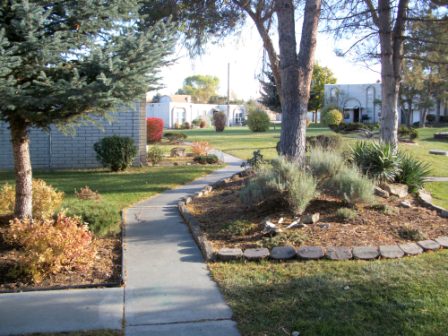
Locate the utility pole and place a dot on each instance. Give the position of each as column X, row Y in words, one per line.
column 228, row 94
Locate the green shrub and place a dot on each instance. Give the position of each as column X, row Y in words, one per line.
column 212, row 159
column 206, row 159
column 101, row 218
column 411, row 234
column 219, row 121
column 325, row 164
column 378, row 161
column 346, row 214
column 351, row 186
column 175, row 137
column 258, row 120
column 282, row 181
column 186, row 125
column 237, row 228
column 196, row 122
column 116, row 152
column 155, row 155
column 354, row 127
column 413, row 171
column 332, row 117
column 327, row 142
column 255, row 161
column 407, row 132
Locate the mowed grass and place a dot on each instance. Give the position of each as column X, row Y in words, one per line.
column 118, row 189
column 439, row 192
column 401, row 297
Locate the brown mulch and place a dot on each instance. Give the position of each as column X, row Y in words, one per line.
column 373, row 225
column 105, row 272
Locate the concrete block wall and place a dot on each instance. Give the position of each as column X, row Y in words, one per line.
column 55, row 150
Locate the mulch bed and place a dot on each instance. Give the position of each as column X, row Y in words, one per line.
column 105, row 272
column 384, row 223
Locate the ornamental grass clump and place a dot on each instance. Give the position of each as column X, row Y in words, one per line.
column 325, row 164
column 280, row 182
column 413, row 172
column 51, row 246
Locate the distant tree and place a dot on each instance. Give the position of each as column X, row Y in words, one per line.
column 269, row 93
column 200, row 87
column 61, row 61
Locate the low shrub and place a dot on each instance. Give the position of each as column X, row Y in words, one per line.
column 86, row 193
column 155, row 155
column 412, row 172
column 258, row 120
column 351, row 186
column 346, row 214
column 282, row 181
column 255, row 161
column 116, row 152
column 203, row 123
column 200, row 148
column 354, row 127
column 46, row 199
column 175, row 137
column 407, row 132
column 326, row 142
column 219, row 121
column 378, row 161
column 154, row 129
column 51, row 246
column 101, row 217
column 186, row 125
column 410, row 233
column 325, row 164
column 237, row 228
column 332, row 117
column 206, row 159
column 196, row 122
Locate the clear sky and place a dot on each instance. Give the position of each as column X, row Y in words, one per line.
column 245, row 54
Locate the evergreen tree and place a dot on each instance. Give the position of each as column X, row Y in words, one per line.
column 61, row 61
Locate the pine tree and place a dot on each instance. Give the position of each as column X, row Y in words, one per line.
column 61, row 61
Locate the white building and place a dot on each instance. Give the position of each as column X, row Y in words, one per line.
column 361, row 102
column 180, row 109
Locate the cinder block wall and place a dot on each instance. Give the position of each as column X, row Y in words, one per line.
column 55, row 150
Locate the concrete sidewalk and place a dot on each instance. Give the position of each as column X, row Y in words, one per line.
column 168, row 287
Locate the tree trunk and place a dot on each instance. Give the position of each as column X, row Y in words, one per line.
column 23, row 172
column 296, row 71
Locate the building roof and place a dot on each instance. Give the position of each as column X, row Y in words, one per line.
column 180, row 98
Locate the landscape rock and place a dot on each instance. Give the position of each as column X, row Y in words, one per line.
column 441, row 136
column 396, row 189
column 294, row 224
column 324, row 226
column 295, row 333
column 425, row 196
column 226, row 254
column 281, row 220
column 438, row 152
column 429, row 245
column 339, row 253
column 411, row 248
column 255, row 254
column 391, row 251
column 365, row 252
column 310, row 252
column 271, row 228
column 444, row 214
column 381, row 192
column 177, row 152
column 283, row 253
column 188, row 200
column 311, row 219
column 405, row 204
column 443, row 241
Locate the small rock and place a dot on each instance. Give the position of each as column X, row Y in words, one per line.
column 324, row 226
column 339, row 253
column 444, row 214
column 346, row 287
column 256, row 254
column 294, row 224
column 405, row 204
column 310, row 252
column 311, row 219
column 283, row 252
column 396, row 189
column 443, row 241
column 365, row 252
column 295, row 333
column 271, row 228
column 438, row 152
column 281, row 220
column 391, row 251
column 428, row 245
column 425, row 196
column 381, row 192
column 226, row 254
column 177, row 152
column 411, row 248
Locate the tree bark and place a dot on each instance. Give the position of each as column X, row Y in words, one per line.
column 296, row 72
column 23, row 171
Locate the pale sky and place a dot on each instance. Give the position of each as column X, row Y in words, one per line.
column 245, row 53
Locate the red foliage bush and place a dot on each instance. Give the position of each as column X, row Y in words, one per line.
column 154, row 129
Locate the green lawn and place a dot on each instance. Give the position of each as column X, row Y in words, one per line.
column 118, row 189
column 439, row 191
column 402, row 297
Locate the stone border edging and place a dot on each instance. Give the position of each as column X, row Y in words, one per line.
column 306, row 252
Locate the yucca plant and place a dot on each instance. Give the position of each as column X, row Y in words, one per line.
column 378, row 161
column 413, row 171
